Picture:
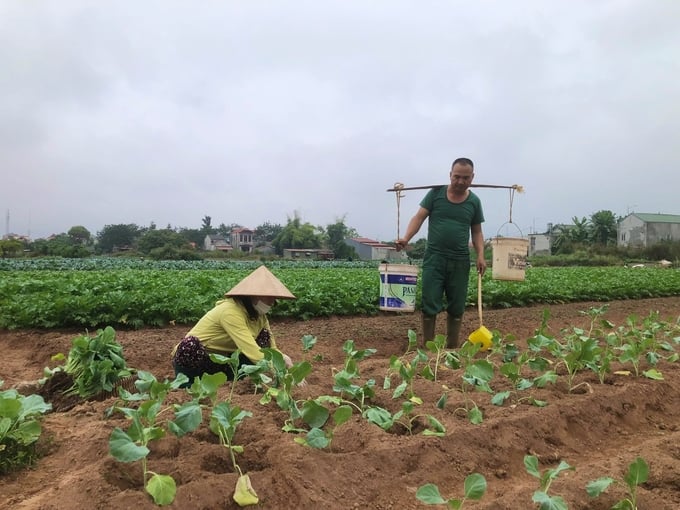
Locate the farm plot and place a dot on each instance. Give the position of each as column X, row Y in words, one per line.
column 599, row 428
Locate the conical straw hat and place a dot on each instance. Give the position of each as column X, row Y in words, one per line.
column 261, row 282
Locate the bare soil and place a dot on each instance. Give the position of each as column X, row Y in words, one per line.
column 599, row 429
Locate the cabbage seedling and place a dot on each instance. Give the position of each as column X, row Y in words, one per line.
column 224, row 421
column 19, row 427
column 131, row 445
column 474, row 487
column 637, row 474
column 541, row 496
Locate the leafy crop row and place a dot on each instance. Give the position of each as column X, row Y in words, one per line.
column 475, row 486
column 156, row 297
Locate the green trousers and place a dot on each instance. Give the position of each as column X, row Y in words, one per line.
column 443, row 277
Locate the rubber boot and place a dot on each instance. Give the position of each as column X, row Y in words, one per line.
column 429, row 323
column 453, row 325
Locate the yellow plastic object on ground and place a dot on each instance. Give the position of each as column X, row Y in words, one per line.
column 481, row 335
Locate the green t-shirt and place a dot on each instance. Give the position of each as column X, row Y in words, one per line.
column 448, row 231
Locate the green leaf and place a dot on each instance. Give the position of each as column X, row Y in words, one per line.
column 548, row 377
column 524, row 384
column 553, row 473
column 499, row 398
column 27, row 432
column 210, row 383
column 317, row 439
column 162, row 489
column 314, row 414
column 188, row 417
column 638, row 471
column 399, row 390
column 481, row 370
column 438, row 426
column 220, row 359
column 5, row 425
column 276, row 359
column 429, row 494
column 475, row 486
column 124, row 449
column 380, row 417
column 10, row 405
column 531, row 465
column 475, row 416
column 33, row 404
column 412, row 339
column 387, row 383
column 427, row 373
column 342, row 414
column 300, row 370
column 549, row 502
column 653, row 374
column 308, row 341
column 597, row 487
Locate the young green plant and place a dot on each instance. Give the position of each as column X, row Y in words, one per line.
column 20, row 428
column 407, row 370
column 146, row 425
column 542, row 496
column 474, row 490
column 513, row 369
column 637, row 474
column 577, row 353
column 316, row 415
column 278, row 379
column 437, row 347
column 224, row 420
column 477, row 374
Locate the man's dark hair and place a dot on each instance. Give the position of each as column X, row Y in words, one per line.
column 464, row 161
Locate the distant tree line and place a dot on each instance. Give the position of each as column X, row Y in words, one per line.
column 186, row 243
column 582, row 239
column 600, row 230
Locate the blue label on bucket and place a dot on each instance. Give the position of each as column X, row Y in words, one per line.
column 398, row 293
column 399, row 279
column 394, row 303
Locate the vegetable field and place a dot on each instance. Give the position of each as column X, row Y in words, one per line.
column 576, row 405
column 120, row 293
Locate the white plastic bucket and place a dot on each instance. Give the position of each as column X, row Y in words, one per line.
column 509, row 258
column 398, row 283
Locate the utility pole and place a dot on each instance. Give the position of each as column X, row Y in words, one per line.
column 7, row 224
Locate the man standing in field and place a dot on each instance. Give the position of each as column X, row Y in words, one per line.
column 455, row 213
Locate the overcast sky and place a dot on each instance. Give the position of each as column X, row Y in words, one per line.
column 253, row 111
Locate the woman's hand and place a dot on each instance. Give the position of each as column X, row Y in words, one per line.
column 289, row 363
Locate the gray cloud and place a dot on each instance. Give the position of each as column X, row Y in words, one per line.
column 249, row 112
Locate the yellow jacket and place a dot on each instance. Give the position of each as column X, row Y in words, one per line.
column 227, row 327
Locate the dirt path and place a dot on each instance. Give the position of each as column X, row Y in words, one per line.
column 598, row 432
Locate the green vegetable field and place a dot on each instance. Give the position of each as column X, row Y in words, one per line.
column 52, row 293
